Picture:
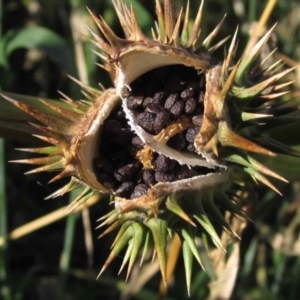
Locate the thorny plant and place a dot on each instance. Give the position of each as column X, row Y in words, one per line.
column 175, row 141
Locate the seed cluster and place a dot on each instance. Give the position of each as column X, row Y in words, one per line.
column 160, row 97
column 118, row 168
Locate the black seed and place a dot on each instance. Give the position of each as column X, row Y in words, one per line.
column 161, row 121
column 177, row 108
column 112, row 126
column 171, row 100
column 158, row 97
column 125, row 189
column 146, row 121
column 140, row 190
column 201, row 97
column 163, row 177
column 185, row 172
column 191, row 134
column 187, row 93
column 197, row 120
column 191, row 147
column 134, row 102
column 126, row 172
column 154, row 108
column 177, row 141
column 137, row 142
column 162, row 163
column 147, row 101
column 190, row 105
column 103, row 165
column 148, row 177
column 106, row 180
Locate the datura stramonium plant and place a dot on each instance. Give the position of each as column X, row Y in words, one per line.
column 174, row 141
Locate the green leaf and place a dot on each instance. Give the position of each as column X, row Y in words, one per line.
column 41, row 38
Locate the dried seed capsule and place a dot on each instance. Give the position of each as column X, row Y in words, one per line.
column 162, row 163
column 190, row 105
column 161, row 121
column 171, row 100
column 125, row 189
column 191, row 134
column 140, row 190
column 103, row 165
column 148, row 177
column 163, row 177
column 137, row 142
column 187, row 93
column 177, row 141
column 146, row 121
column 177, row 108
column 106, row 180
column 126, row 172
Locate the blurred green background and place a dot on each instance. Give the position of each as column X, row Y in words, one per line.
column 41, row 43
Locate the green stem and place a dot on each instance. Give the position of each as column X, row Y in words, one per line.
column 65, row 258
column 4, row 290
column 252, row 11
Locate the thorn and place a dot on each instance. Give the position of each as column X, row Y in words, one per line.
column 175, row 36
column 194, row 36
column 169, row 20
column 228, row 138
column 207, row 42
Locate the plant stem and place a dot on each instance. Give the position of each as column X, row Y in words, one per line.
column 4, row 290
column 65, row 258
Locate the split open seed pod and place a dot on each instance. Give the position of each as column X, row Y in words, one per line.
column 174, row 140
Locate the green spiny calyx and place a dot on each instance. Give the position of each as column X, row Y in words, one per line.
column 173, row 141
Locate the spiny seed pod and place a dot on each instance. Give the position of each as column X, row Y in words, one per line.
column 173, row 141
